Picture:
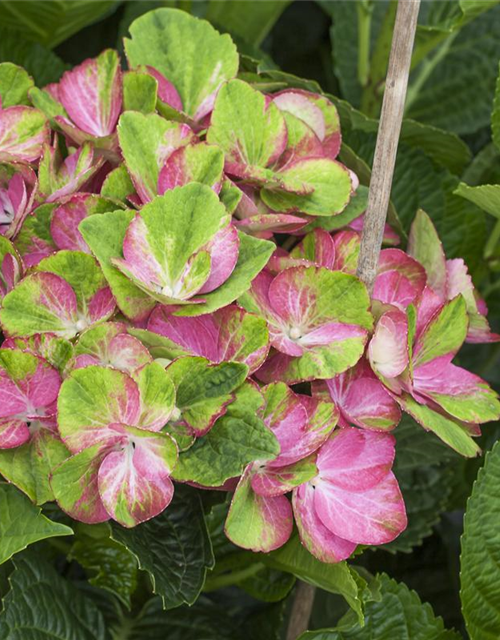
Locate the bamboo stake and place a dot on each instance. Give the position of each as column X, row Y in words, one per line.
column 387, row 139
column 378, row 202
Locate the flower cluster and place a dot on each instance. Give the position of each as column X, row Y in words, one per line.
column 154, row 321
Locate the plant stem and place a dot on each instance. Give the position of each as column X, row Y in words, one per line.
column 233, row 577
column 364, row 10
column 301, row 610
column 387, row 140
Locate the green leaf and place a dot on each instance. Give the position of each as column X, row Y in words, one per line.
column 480, row 557
column 495, row 116
column 486, row 196
column 187, row 51
column 14, row 85
column 139, row 92
column 42, row 64
column 53, row 21
column 41, row 605
column 110, row 565
column 268, row 585
column 104, row 234
column 236, row 439
column 424, row 469
column 203, row 390
column 117, row 184
column 248, row 21
column 29, row 466
column 22, row 524
column 398, row 614
column 336, row 578
column 454, row 434
column 174, row 548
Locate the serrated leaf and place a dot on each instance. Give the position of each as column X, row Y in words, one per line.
column 174, row 548
column 485, row 196
column 194, row 57
column 41, row 605
column 110, row 565
column 398, row 614
column 481, row 554
column 22, row 524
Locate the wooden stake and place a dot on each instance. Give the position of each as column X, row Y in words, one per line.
column 301, row 610
column 387, row 139
column 376, row 212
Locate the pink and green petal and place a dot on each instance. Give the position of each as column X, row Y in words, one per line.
column 110, row 345
column 425, row 246
column 75, row 485
column 317, row 539
column 91, row 94
column 363, row 400
column 251, row 133
column 92, row 399
column 23, row 133
column 388, row 348
column 157, row 396
column 270, row 481
column 355, row 459
column 258, row 523
column 40, row 303
column 400, row 280
column 223, row 250
column 327, row 183
column 317, row 248
column 134, row 481
column 373, row 516
column 227, row 334
column 13, row 433
column 146, row 141
column 192, row 163
column 347, row 244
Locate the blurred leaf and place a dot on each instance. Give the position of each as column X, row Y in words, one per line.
column 268, row 585
column 398, row 615
column 22, row 524
column 14, row 85
column 110, row 565
column 41, row 63
column 249, row 20
column 486, row 196
column 174, row 548
column 52, row 21
column 480, row 558
column 454, row 88
column 41, row 605
column 495, row 116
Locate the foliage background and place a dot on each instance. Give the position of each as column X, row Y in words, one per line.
column 343, row 45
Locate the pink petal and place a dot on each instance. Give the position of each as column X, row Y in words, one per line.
column 166, row 90
column 373, row 516
column 388, row 349
column 134, row 483
column 65, row 221
column 301, row 107
column 92, row 102
column 13, row 433
column 223, row 250
column 315, row 537
column 101, row 306
column 355, row 459
column 363, row 400
column 347, row 245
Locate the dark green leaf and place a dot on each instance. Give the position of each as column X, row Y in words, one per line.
column 480, row 558
column 22, row 524
column 43, row 606
column 174, row 548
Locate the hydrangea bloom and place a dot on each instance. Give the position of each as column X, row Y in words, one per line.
column 153, row 319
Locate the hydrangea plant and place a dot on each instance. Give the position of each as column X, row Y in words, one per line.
column 180, row 305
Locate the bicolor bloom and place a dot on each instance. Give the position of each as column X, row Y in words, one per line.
column 121, row 461
column 29, row 387
column 18, row 185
